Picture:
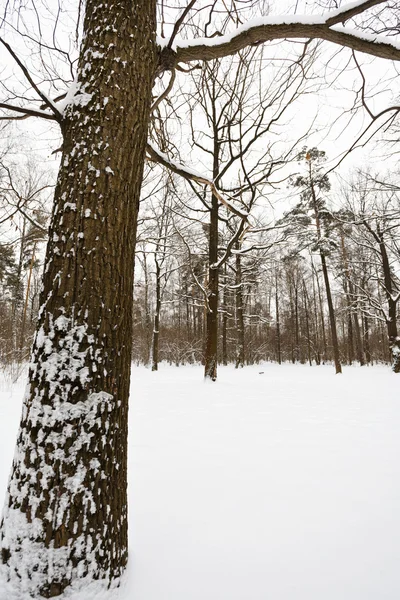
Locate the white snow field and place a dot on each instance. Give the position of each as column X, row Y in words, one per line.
column 280, row 485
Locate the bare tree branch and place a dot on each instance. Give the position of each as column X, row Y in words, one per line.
column 179, row 22
column 159, row 157
column 27, row 112
column 47, row 102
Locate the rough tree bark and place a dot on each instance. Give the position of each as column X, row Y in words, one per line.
column 66, row 508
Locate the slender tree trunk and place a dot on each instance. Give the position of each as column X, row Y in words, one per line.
column 349, row 301
column 239, row 312
column 194, row 313
column 23, row 323
column 386, row 354
column 366, row 340
column 296, row 323
column 321, row 310
column 359, row 344
column 156, row 328
column 316, row 326
column 350, row 336
column 307, row 323
column 211, row 358
column 225, row 322
column 188, row 313
column 350, row 343
column 65, row 516
column 335, row 344
column 292, row 324
column 147, row 315
column 211, row 350
column 278, row 323
column 18, row 296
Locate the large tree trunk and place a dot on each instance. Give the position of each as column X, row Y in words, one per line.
column 65, row 516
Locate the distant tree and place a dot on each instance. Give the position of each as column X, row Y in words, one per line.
column 311, row 222
column 373, row 211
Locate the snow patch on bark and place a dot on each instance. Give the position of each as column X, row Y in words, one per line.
column 31, row 564
column 85, row 589
column 56, row 469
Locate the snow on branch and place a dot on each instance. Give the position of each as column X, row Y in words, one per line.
column 155, row 155
column 256, row 31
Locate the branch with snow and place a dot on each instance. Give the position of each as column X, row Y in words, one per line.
column 229, row 248
column 155, row 155
column 327, row 27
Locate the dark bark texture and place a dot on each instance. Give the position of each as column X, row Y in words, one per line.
column 66, row 509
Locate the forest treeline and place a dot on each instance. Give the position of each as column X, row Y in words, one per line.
column 273, row 301
column 272, row 296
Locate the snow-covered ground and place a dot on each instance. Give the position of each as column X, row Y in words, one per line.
column 275, row 483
